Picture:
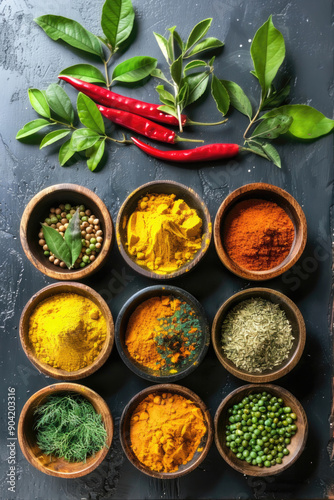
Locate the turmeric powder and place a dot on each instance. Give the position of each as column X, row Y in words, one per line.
column 165, row 431
column 67, row 331
column 163, row 233
column 163, row 333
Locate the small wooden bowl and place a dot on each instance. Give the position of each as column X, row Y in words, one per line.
column 123, row 319
column 298, row 331
column 37, row 209
column 166, row 187
column 54, row 466
column 125, row 430
column 55, row 289
column 296, row 446
column 260, row 190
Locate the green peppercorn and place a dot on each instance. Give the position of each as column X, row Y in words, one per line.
column 82, row 264
column 69, row 216
column 67, row 207
column 46, row 253
column 48, row 220
column 85, row 259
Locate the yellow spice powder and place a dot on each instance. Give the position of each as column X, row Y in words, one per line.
column 166, row 431
column 163, row 233
column 67, row 331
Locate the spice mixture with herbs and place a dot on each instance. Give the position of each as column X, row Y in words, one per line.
column 260, row 429
column 258, row 234
column 163, row 233
column 166, row 431
column 256, row 335
column 67, row 426
column 164, row 334
column 67, row 331
column 91, row 233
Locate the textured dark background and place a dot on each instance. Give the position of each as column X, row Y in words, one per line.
column 28, row 58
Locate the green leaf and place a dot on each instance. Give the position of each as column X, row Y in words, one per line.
column 57, row 245
column 96, row 155
column 270, row 128
column 197, row 83
column 71, row 32
column 53, row 136
column 238, row 98
column 176, row 70
column 65, row 153
column 182, row 96
column 196, row 63
column 134, row 69
column 178, row 40
column 163, row 44
column 60, row 103
column 32, row 127
column 308, row 122
column 198, row 32
column 169, row 110
column 89, row 115
column 266, row 150
column 165, row 96
column 85, row 72
column 272, row 153
column 38, row 102
column 268, row 52
column 72, row 237
column 157, row 73
column 276, row 97
column 117, row 21
column 170, row 45
column 83, row 138
column 206, row 44
column 220, row 95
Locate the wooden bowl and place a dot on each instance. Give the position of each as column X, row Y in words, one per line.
column 122, row 322
column 35, row 212
column 125, row 430
column 55, row 289
column 296, row 446
column 54, row 466
column 166, row 187
column 298, row 331
column 260, row 190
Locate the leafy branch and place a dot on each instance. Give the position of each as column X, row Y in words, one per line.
column 56, row 108
column 299, row 120
column 117, row 23
column 186, row 86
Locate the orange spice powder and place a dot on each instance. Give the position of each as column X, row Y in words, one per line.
column 258, row 234
column 165, row 431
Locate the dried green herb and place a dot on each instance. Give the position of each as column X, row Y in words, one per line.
column 256, row 335
column 68, row 426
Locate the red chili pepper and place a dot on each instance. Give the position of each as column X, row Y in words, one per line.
column 110, row 99
column 139, row 124
column 203, row 153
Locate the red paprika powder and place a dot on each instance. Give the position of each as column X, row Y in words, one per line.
column 258, row 234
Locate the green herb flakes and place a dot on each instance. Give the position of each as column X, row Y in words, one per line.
column 256, row 335
column 67, row 426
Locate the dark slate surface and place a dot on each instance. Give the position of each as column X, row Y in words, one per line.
column 29, row 58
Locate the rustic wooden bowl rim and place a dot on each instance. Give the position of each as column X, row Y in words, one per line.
column 186, row 267
column 145, row 294
column 294, row 355
column 289, row 459
column 80, row 289
column 99, row 405
column 175, row 389
column 38, row 260
column 239, row 195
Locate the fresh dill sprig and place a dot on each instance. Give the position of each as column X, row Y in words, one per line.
column 67, row 426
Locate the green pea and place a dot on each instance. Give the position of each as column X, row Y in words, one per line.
column 245, row 453
column 287, row 409
column 278, row 460
column 239, row 455
column 293, row 416
column 286, row 451
column 267, row 463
